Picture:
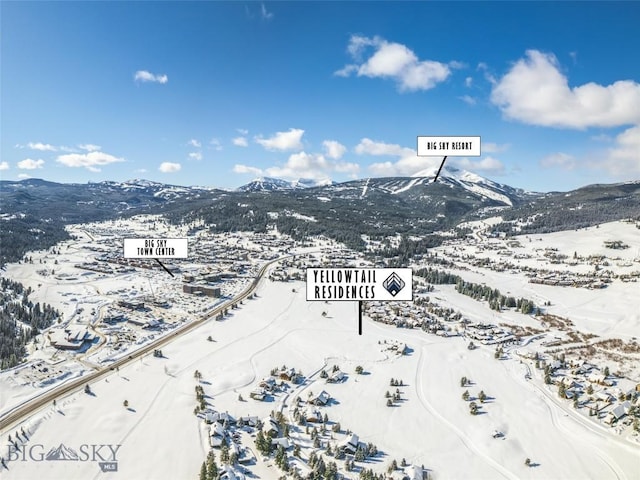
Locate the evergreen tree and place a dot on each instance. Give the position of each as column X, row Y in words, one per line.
column 562, row 393
column 212, row 467
column 224, row 454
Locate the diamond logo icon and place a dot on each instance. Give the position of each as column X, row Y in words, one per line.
column 393, row 284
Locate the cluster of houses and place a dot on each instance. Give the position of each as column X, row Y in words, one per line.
column 277, row 382
column 401, row 314
column 394, row 346
column 488, row 334
column 609, row 398
column 223, row 430
column 599, row 277
column 436, row 321
column 568, row 279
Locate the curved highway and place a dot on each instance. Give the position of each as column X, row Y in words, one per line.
column 9, row 420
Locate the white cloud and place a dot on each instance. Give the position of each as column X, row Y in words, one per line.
column 24, row 176
column 488, row 76
column 623, row 159
column 195, row 156
column 290, row 140
column 4, row 166
column 145, row 76
column 169, row 167
column 266, row 15
column 536, row 92
column 372, row 147
column 334, row 149
column 487, row 165
column 46, row 147
column 215, row 143
column 89, row 147
column 91, row 161
column 468, row 99
column 468, row 82
column 240, row 142
column 409, row 163
column 404, row 167
column 394, row 61
column 313, row 166
column 559, row 159
column 140, row 170
column 239, row 168
column 194, row 143
column 41, row 146
column 30, row 164
column 490, row 147
column 242, row 131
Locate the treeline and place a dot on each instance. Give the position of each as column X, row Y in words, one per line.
column 556, row 216
column 16, row 312
column 497, row 301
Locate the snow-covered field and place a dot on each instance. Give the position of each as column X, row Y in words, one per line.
column 161, row 438
column 607, row 312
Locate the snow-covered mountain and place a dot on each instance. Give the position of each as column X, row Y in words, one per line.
column 158, row 190
column 455, row 178
column 270, row 184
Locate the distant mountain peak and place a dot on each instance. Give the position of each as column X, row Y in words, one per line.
column 450, row 171
column 270, row 184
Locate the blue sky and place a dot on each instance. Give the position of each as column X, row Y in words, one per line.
column 217, row 93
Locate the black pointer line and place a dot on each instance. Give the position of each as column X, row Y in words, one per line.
column 165, row 268
column 359, row 317
column 441, row 165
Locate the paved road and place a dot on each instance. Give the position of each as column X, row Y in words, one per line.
column 11, row 419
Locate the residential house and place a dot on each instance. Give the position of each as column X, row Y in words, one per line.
column 336, row 377
column 281, row 442
column 618, row 412
column 270, row 427
column 321, row 399
column 258, row 394
column 350, row 444
column 216, row 435
column 249, row 420
column 313, row 416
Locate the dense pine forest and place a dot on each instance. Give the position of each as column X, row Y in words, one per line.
column 20, row 321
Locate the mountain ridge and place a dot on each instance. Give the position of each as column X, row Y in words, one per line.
column 34, row 212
